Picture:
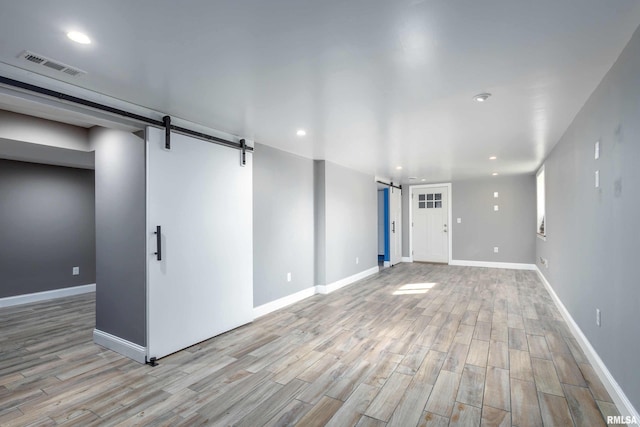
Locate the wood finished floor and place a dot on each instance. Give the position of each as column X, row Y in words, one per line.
column 416, row 345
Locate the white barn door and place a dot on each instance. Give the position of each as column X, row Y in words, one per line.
column 395, row 226
column 201, row 198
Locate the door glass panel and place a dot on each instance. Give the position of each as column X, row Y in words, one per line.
column 420, row 196
column 438, row 204
column 429, row 196
column 421, row 205
column 429, row 205
column 438, row 196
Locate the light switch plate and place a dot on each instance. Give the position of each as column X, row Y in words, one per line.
column 496, row 208
column 75, row 271
column 495, row 249
column 288, row 277
column 597, row 176
column 459, row 220
column 495, row 194
column 597, row 150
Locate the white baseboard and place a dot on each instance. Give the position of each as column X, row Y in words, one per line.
column 325, row 289
column 283, row 302
column 119, row 345
column 615, row 391
column 489, row 264
column 407, row 259
column 46, row 295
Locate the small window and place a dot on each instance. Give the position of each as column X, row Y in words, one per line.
column 429, row 196
column 420, row 197
column 430, row 205
column 438, row 196
column 438, row 204
column 420, row 205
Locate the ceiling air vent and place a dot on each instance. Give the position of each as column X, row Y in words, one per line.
column 51, row 64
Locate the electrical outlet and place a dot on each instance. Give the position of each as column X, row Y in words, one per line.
column 598, row 318
column 75, row 271
column 459, row 221
column 496, row 208
column 495, row 194
column 597, row 179
column 357, row 260
column 288, row 277
column 495, row 249
column 597, row 151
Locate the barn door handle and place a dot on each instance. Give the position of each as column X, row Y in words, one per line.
column 158, row 234
column 393, row 226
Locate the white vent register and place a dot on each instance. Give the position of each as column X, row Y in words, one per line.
column 51, row 64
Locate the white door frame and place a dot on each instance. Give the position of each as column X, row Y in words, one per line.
column 449, row 215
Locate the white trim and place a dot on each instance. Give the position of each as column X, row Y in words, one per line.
column 490, row 264
column 449, row 214
column 615, row 391
column 46, row 295
column 283, row 302
column 407, row 259
column 325, row 289
column 119, row 345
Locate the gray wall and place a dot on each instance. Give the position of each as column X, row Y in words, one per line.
column 19, row 127
column 511, row 228
column 593, row 235
column 120, row 234
column 46, row 227
column 351, row 221
column 320, row 225
column 283, row 224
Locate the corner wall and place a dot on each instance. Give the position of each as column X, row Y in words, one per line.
column 351, row 222
column 120, row 234
column 283, row 224
column 593, row 236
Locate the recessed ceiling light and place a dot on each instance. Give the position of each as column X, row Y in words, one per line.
column 495, row 174
column 492, row 158
column 399, row 167
column 481, row 97
column 423, row 180
column 79, row 37
column 301, row 132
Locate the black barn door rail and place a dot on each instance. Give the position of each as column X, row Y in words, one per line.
column 95, row 105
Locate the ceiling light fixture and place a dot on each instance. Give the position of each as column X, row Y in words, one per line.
column 481, row 97
column 423, row 180
column 79, row 37
column 399, row 168
column 495, row 174
column 492, row 158
column 301, row 132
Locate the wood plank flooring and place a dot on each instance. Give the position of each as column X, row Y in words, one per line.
column 416, row 345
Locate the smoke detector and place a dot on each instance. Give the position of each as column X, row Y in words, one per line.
column 51, row 64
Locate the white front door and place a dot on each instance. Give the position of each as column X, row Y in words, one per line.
column 202, row 200
column 395, row 222
column 430, row 231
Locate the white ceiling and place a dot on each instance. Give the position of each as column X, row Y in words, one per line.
column 376, row 84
